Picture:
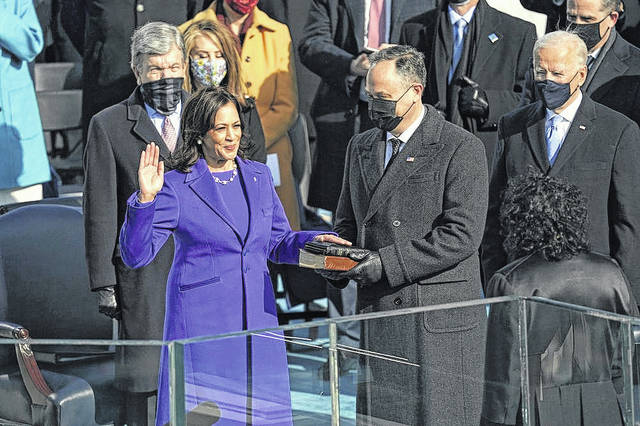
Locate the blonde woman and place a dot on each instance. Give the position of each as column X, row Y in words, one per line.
column 214, row 61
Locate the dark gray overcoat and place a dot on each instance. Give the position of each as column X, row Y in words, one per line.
column 425, row 216
column 117, row 136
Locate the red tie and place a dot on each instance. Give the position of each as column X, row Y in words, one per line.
column 377, row 23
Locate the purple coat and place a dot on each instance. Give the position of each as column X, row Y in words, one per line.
column 219, row 283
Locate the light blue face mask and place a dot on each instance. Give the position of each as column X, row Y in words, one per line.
column 208, row 72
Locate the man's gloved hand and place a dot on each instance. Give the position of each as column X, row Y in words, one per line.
column 354, row 253
column 472, row 100
column 367, row 272
column 108, row 303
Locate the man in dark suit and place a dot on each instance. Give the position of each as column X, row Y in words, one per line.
column 334, row 45
column 117, row 136
column 415, row 194
column 568, row 135
column 337, row 37
column 102, row 31
column 477, row 58
column 613, row 77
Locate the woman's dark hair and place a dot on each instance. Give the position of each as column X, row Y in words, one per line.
column 198, row 116
column 545, row 214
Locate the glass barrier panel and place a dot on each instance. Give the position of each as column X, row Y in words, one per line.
column 278, row 376
column 77, row 382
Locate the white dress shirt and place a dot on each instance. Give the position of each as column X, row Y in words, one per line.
column 157, row 118
column 404, row 136
column 567, row 115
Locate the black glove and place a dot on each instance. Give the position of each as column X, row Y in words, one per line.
column 108, row 303
column 472, row 100
column 354, row 253
column 367, row 272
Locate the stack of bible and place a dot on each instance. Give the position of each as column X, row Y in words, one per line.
column 329, row 256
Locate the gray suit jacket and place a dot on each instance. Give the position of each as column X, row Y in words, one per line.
column 425, row 216
column 600, row 155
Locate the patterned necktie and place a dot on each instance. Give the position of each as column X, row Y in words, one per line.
column 554, row 139
column 169, row 134
column 458, row 44
column 395, row 149
column 377, row 24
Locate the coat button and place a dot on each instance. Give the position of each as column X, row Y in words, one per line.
column 140, row 8
column 248, row 84
column 247, row 59
column 396, row 223
column 397, row 301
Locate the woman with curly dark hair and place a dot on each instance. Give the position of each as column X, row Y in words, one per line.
column 574, row 360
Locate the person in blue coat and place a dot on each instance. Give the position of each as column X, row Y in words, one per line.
column 226, row 220
column 23, row 156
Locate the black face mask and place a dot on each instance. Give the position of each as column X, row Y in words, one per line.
column 589, row 33
column 553, row 94
column 459, row 2
column 382, row 112
column 163, row 95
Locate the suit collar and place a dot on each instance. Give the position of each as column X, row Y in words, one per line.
column 355, row 10
column 579, row 131
column 143, row 126
column 201, row 182
column 536, row 137
column 488, row 24
column 421, row 148
column 613, row 63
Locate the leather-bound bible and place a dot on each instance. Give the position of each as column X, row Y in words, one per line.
column 329, row 256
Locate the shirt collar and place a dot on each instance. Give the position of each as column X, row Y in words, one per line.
column 406, row 135
column 455, row 17
column 155, row 114
column 569, row 112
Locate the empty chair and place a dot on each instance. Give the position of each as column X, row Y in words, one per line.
column 60, row 111
column 47, row 291
column 57, row 76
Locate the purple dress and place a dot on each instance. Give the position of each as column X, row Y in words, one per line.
column 219, row 283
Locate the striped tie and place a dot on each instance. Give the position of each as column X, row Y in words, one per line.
column 169, row 134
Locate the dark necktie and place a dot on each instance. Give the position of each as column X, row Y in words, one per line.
column 590, row 61
column 395, row 149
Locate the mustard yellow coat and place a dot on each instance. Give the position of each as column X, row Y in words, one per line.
column 270, row 76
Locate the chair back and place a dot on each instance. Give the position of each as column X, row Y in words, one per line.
column 57, row 76
column 46, row 277
column 60, row 109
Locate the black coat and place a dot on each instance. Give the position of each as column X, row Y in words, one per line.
column 575, row 374
column 425, row 216
column 117, row 136
column 106, row 43
column 600, row 155
column 613, row 81
column 498, row 66
column 334, row 36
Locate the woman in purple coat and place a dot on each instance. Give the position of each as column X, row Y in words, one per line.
column 226, row 220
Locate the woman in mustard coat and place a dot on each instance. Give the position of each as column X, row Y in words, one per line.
column 268, row 66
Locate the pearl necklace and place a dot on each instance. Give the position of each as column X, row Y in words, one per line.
column 224, row 182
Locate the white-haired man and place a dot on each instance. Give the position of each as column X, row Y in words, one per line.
column 117, row 135
column 613, row 64
column 568, row 135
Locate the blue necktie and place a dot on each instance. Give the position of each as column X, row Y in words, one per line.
column 458, row 43
column 554, row 139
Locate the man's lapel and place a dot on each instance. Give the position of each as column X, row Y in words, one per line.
column 143, row 127
column 579, row 131
column 421, row 148
column 535, row 137
column 355, row 9
column 489, row 36
column 371, row 159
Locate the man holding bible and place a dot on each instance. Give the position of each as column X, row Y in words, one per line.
column 414, row 193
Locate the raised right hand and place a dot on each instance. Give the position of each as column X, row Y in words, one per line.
column 150, row 173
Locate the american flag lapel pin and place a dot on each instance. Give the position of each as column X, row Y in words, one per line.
column 410, row 159
column 493, row 37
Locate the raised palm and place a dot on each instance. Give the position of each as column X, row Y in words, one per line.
column 150, row 173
